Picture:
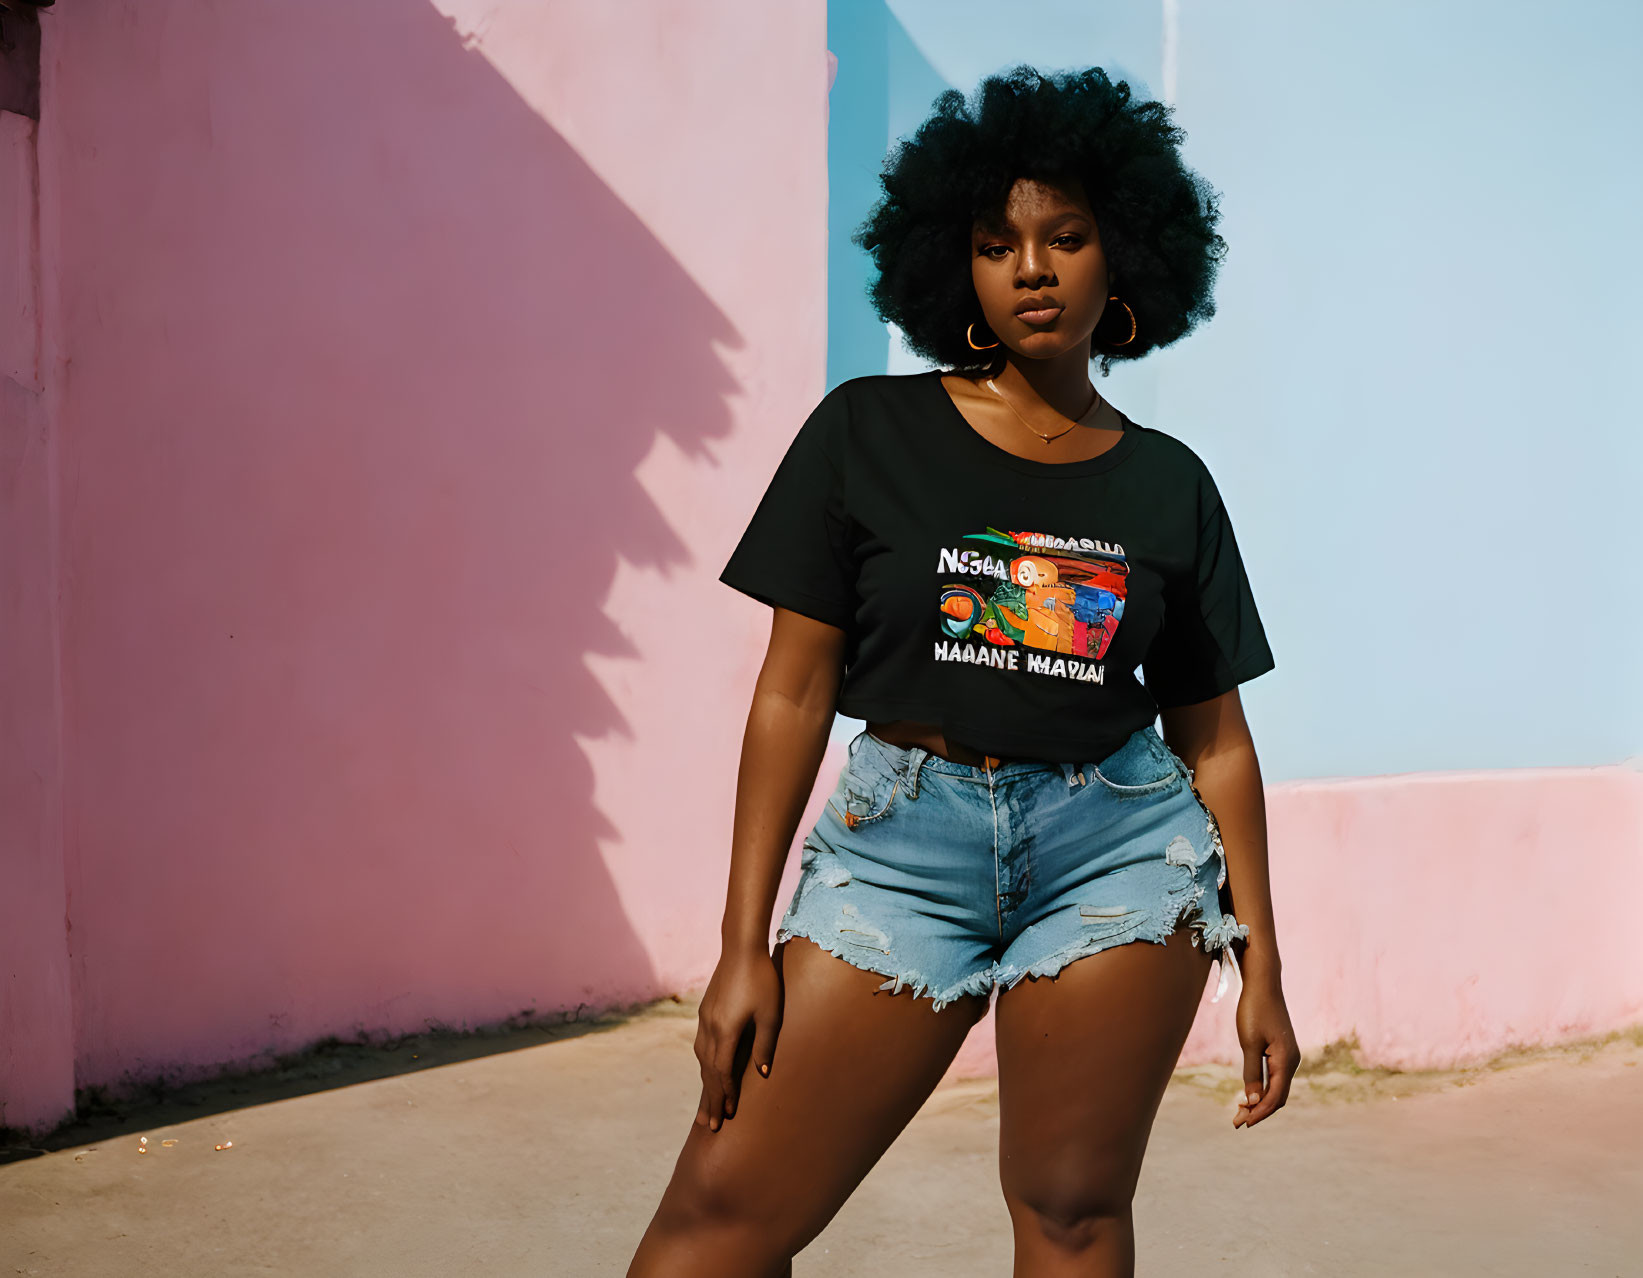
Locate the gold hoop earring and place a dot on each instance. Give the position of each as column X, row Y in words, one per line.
column 1115, row 298
column 969, row 336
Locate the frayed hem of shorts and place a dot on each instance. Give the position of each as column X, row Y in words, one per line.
column 1181, row 907
column 977, row 983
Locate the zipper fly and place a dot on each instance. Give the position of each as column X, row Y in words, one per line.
column 992, row 798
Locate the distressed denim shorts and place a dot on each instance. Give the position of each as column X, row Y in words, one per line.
column 956, row 878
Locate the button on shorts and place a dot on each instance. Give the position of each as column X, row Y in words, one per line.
column 956, row 878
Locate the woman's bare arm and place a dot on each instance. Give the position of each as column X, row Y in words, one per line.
column 1213, row 740
column 786, row 735
column 782, row 747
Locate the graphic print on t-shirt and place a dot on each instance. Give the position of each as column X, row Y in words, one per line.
column 1030, row 601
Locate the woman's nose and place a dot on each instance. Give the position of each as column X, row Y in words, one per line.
column 1034, row 268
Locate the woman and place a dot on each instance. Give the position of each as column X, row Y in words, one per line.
column 975, row 560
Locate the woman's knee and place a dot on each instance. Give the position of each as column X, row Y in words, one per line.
column 713, row 1189
column 707, row 1224
column 1073, row 1207
column 1075, row 1224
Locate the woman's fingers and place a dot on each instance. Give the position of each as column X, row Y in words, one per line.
column 1271, row 1056
column 711, row 1112
column 1281, row 1062
column 765, row 1029
column 716, row 1050
column 1254, row 1085
column 724, row 1055
column 736, row 1026
column 1281, row 1058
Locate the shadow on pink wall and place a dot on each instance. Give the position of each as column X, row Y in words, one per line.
column 362, row 358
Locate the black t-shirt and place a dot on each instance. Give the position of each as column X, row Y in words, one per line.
column 1007, row 600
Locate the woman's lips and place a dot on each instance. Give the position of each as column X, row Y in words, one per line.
column 1039, row 317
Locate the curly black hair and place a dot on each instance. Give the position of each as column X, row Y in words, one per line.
column 1156, row 217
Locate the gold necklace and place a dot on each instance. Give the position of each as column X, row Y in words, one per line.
column 1029, row 425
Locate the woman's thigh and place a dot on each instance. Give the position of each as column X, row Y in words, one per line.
column 1083, row 1061
column 852, row 1065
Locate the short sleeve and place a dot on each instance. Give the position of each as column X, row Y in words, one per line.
column 795, row 552
column 1211, row 639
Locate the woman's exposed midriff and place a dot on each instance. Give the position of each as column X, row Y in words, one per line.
column 907, row 733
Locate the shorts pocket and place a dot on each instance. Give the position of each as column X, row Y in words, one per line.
column 868, row 786
column 1142, row 765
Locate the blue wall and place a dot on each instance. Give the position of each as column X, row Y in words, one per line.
column 1412, row 394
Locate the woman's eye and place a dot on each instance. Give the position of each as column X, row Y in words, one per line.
column 1070, row 240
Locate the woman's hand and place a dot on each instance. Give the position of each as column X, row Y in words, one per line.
column 745, row 988
column 1267, row 1036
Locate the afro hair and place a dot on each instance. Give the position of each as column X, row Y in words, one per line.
column 1156, row 217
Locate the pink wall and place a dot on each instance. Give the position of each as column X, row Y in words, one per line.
column 418, row 381
column 399, row 384
column 36, row 1030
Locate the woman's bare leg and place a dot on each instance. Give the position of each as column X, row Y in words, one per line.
column 1083, row 1061
column 853, row 1063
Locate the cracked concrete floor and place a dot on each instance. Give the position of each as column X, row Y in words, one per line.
column 543, row 1153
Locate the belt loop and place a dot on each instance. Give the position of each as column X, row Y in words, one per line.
column 915, row 760
column 1067, row 770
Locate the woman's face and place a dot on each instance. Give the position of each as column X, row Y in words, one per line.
column 1048, row 249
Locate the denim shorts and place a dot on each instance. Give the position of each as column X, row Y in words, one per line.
column 956, row 878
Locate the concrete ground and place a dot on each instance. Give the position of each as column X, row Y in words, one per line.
column 543, row 1152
